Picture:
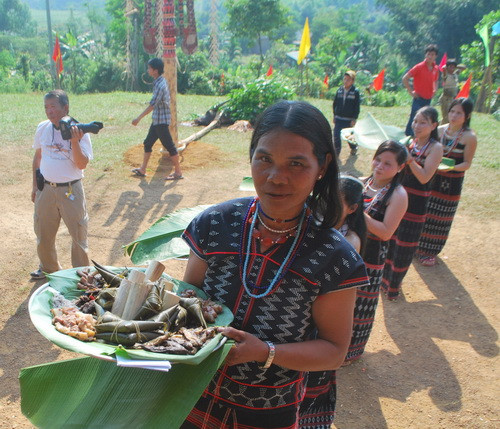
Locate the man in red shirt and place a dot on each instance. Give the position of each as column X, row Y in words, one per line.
column 425, row 76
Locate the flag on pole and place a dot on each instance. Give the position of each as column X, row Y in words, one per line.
column 443, row 62
column 57, row 57
column 305, row 43
column 483, row 33
column 325, row 81
column 464, row 92
column 498, row 90
column 378, row 82
column 269, row 71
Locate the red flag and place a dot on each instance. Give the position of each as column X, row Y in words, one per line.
column 498, row 90
column 443, row 62
column 378, row 82
column 269, row 70
column 57, row 57
column 325, row 81
column 464, row 92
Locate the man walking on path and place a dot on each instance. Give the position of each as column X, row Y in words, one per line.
column 160, row 106
column 425, row 76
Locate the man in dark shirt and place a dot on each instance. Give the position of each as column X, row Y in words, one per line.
column 345, row 110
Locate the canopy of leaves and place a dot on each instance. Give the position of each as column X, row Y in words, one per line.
column 15, row 18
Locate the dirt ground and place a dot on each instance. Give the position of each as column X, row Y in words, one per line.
column 432, row 360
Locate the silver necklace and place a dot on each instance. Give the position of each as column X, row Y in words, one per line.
column 276, row 231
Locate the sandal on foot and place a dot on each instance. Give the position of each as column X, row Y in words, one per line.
column 138, row 172
column 428, row 261
column 174, row 176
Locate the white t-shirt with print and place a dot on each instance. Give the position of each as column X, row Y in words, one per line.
column 57, row 164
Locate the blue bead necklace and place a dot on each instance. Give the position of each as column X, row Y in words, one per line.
column 281, row 271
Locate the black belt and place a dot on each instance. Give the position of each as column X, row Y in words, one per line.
column 53, row 184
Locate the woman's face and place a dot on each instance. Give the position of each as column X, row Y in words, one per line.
column 456, row 115
column 284, row 171
column 385, row 166
column 422, row 126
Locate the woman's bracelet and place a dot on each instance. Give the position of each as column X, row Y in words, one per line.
column 270, row 356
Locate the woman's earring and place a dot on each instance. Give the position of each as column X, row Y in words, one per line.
column 319, row 177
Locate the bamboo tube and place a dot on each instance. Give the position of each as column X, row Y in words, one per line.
column 136, row 276
column 136, row 297
column 121, row 297
column 154, row 271
column 169, row 299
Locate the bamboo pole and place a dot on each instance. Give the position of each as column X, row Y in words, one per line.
column 170, row 65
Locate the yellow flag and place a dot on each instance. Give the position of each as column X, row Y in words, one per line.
column 305, row 43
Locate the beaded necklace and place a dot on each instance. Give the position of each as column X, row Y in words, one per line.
column 380, row 193
column 277, row 220
column 450, row 146
column 276, row 231
column 418, row 153
column 287, row 262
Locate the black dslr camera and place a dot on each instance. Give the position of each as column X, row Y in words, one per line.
column 67, row 122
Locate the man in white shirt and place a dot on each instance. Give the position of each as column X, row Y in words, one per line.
column 58, row 193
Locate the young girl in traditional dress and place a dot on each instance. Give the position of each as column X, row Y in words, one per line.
column 459, row 143
column 317, row 410
column 425, row 153
column 385, row 203
column 288, row 276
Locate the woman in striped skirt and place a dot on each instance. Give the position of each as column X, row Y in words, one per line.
column 317, row 410
column 425, row 153
column 459, row 143
column 385, row 203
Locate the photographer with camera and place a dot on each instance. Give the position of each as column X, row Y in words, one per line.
column 58, row 166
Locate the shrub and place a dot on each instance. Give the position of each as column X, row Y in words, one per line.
column 248, row 102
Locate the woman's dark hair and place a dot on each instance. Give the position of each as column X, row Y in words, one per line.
column 401, row 155
column 305, row 120
column 467, row 106
column 157, row 64
column 352, row 191
column 432, row 115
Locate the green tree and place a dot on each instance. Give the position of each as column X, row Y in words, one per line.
column 15, row 18
column 448, row 23
column 253, row 19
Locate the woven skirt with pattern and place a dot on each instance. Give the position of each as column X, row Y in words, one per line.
column 367, row 297
column 211, row 413
column 317, row 410
column 404, row 243
column 443, row 204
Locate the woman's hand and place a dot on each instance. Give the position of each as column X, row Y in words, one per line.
column 247, row 347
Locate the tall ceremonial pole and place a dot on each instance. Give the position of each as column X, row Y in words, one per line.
column 166, row 42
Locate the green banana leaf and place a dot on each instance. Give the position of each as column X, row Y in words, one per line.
column 65, row 282
column 92, row 393
column 162, row 240
column 247, row 184
column 369, row 133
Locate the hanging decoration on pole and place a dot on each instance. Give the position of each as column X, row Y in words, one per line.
column 149, row 32
column 305, row 43
column 269, row 71
column 483, row 33
column 57, row 56
column 325, row 81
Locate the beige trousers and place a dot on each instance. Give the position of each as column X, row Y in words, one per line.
column 51, row 205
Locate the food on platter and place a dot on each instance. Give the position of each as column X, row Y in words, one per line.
column 72, row 322
column 134, row 308
column 185, row 341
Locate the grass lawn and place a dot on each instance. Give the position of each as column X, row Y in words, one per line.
column 22, row 112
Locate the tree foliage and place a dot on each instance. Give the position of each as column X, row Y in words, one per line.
column 253, row 19
column 447, row 23
column 15, row 18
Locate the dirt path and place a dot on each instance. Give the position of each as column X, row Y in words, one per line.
column 431, row 361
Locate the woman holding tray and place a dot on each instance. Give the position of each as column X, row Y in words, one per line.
column 277, row 262
column 459, row 143
column 424, row 156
